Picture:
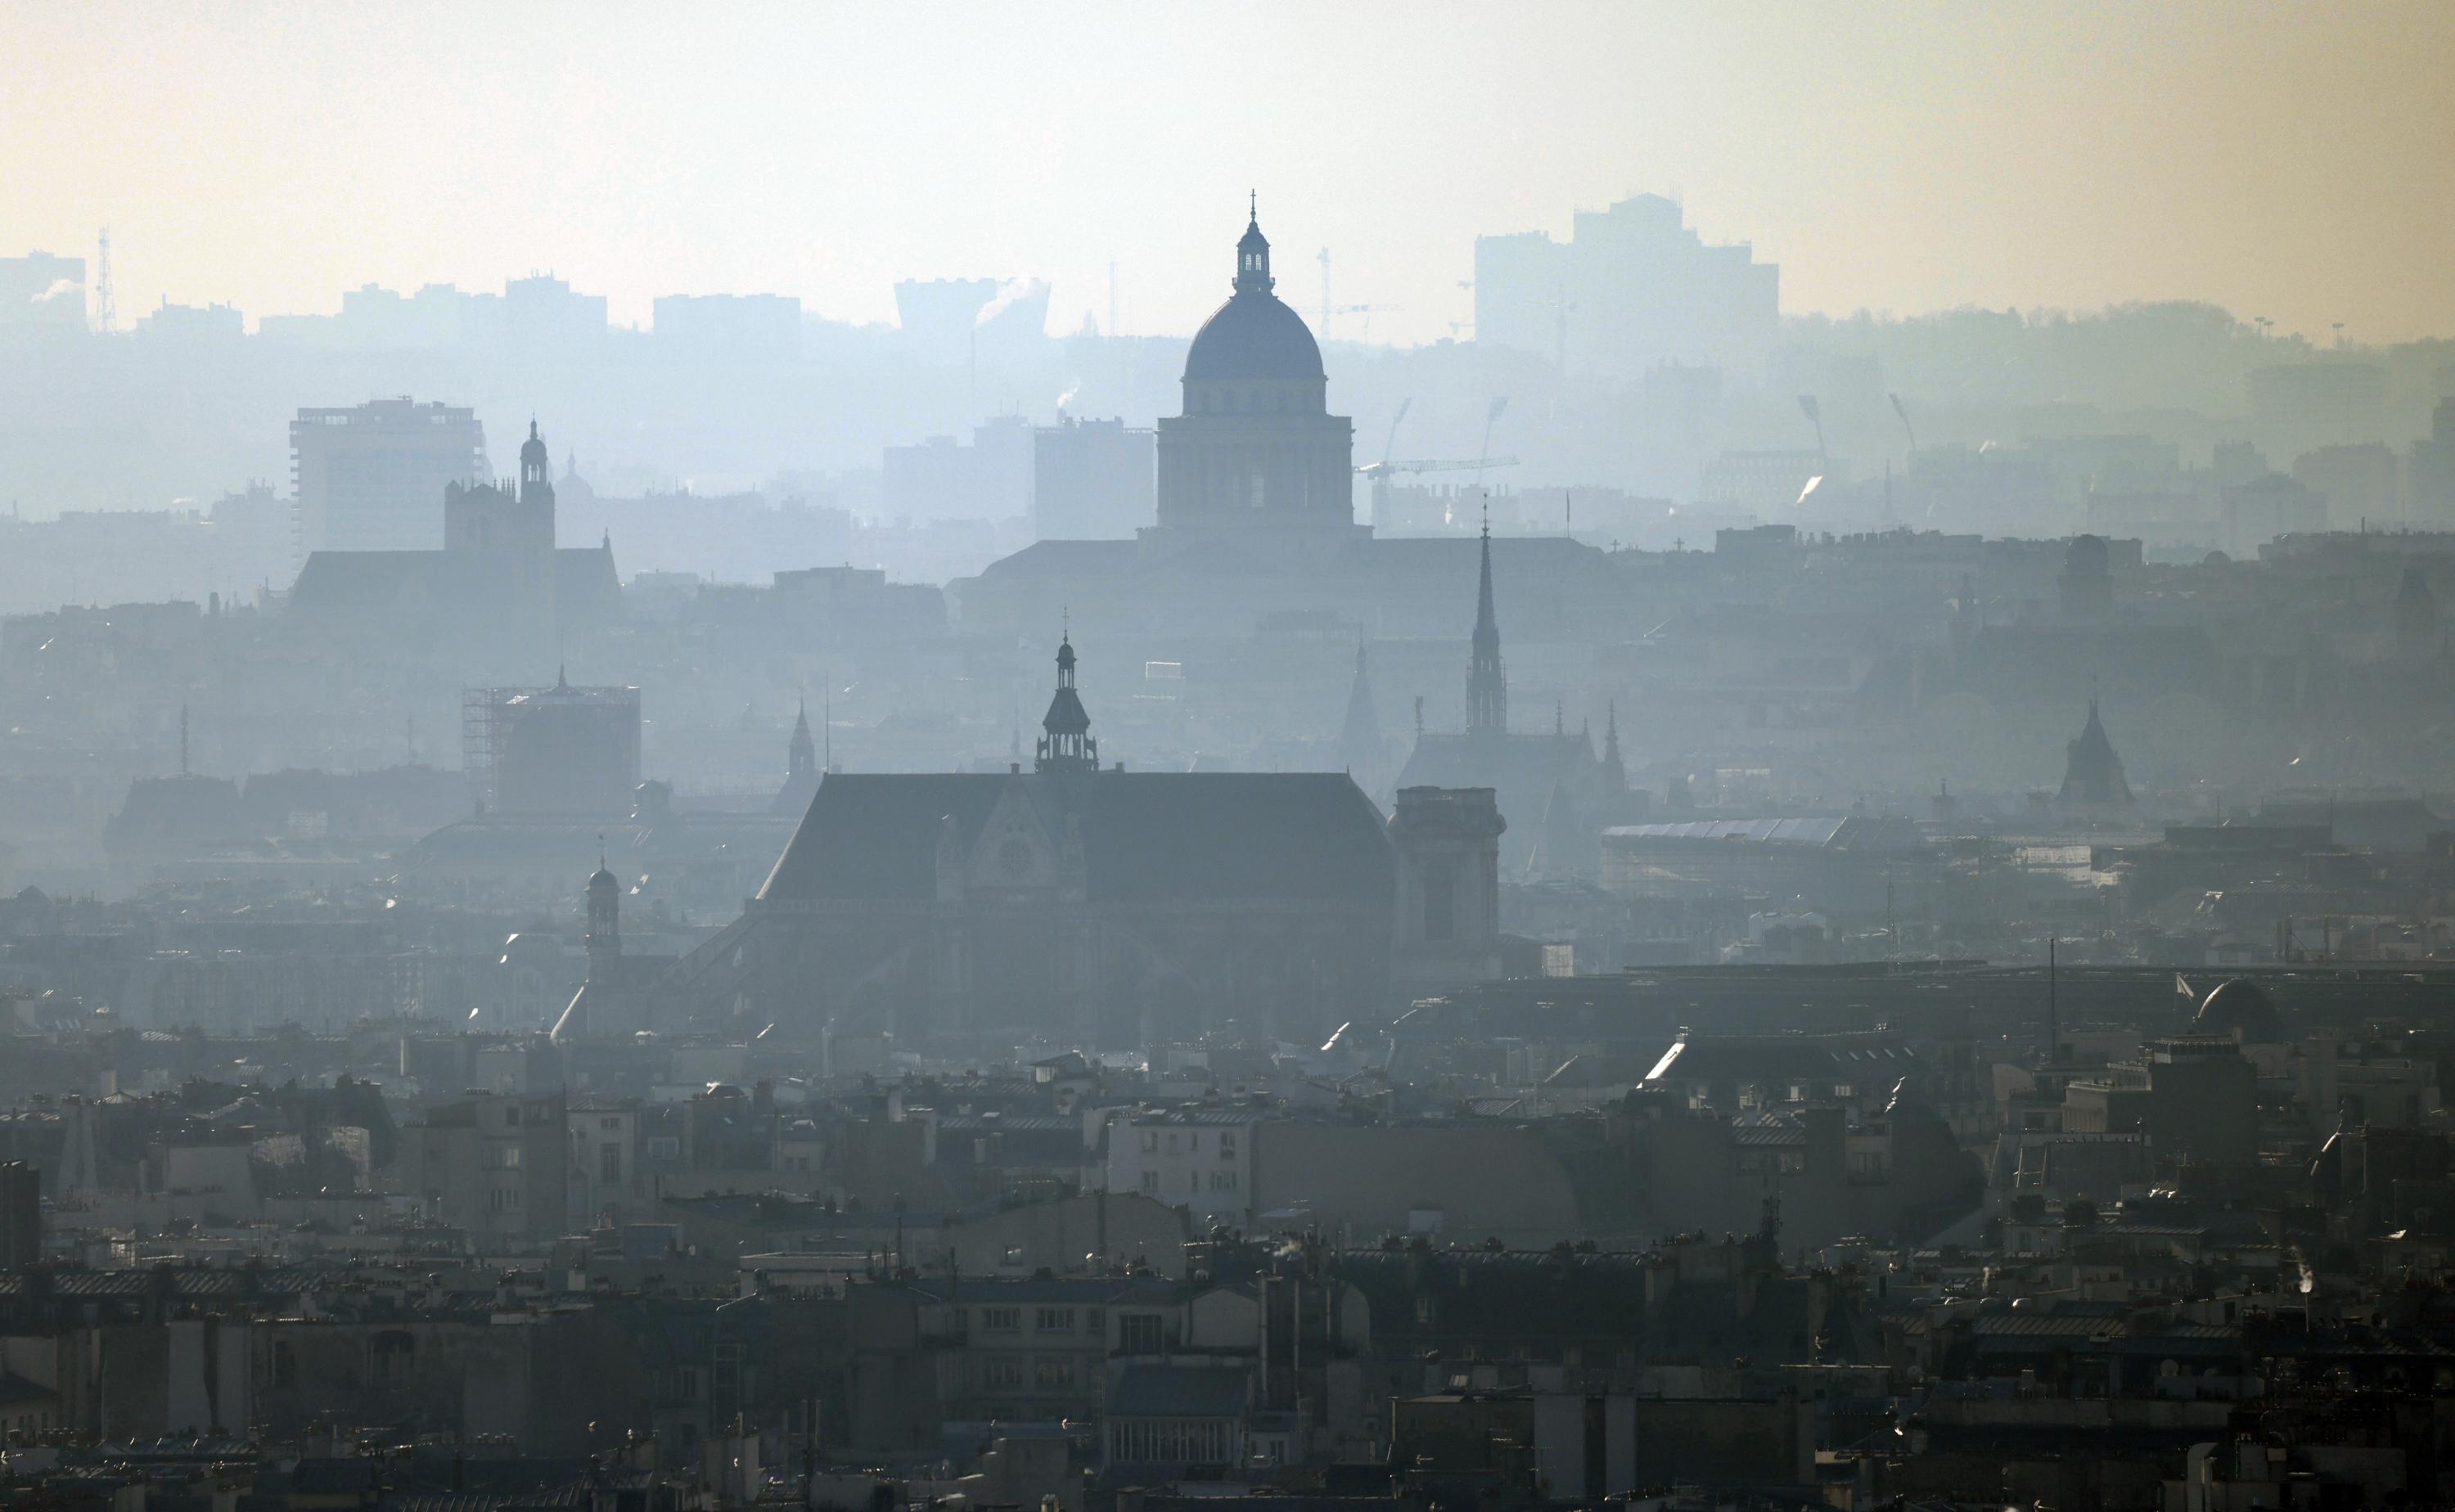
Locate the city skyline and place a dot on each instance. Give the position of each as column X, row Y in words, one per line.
column 1916, row 160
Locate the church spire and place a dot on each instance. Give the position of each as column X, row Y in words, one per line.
column 801, row 756
column 1614, row 768
column 1359, row 739
column 1486, row 688
column 1068, row 745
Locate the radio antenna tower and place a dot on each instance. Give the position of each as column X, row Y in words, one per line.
column 105, row 313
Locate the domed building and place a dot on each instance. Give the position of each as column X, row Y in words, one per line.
column 2239, row 1009
column 1256, row 449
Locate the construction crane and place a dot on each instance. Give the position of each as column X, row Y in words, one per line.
column 1384, row 468
column 1367, row 311
column 1320, row 328
column 1400, row 419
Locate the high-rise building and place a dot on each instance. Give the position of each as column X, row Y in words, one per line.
column 40, row 289
column 2431, row 476
column 372, row 478
column 1256, row 449
column 1633, row 288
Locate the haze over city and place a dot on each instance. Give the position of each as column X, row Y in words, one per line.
column 1908, row 158
column 1366, row 758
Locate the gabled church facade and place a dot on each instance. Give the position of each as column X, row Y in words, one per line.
column 1085, row 901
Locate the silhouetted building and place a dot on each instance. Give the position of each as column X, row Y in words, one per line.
column 372, row 478
column 500, row 571
column 2430, row 481
column 1091, row 480
column 990, row 479
column 1256, row 449
column 801, row 768
column 1070, row 897
column 1360, row 744
column 616, row 1000
column 1553, row 777
column 552, row 751
column 2092, row 773
column 1633, row 288
column 2414, row 617
column 1449, row 887
column 21, row 1216
column 41, row 289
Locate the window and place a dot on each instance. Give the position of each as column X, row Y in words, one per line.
column 285, row 1365
column 1091, row 1318
column 609, row 1163
column 610, row 1125
column 392, row 1358
column 1227, row 1145
column 1193, row 1142
column 1150, row 1142
column 664, row 1147
column 1150, row 1180
column 507, row 1158
column 1053, row 1373
column 1138, row 1334
column 1222, row 1181
column 1000, row 1319
column 1001, row 1370
column 1054, row 1320
column 510, row 1118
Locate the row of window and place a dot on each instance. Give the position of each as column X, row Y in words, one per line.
column 1172, row 1441
column 1253, row 399
column 1151, row 1142
column 1049, row 1373
column 1219, row 1181
column 1044, row 1319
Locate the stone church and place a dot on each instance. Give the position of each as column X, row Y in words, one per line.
column 1083, row 899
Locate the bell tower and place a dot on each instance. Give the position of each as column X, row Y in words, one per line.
column 604, row 923
column 1067, row 745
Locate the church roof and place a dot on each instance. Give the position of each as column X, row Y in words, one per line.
column 1254, row 336
column 362, row 584
column 1148, row 837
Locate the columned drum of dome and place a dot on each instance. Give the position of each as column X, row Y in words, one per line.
column 1256, row 446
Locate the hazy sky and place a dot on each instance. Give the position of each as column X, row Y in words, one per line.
column 2295, row 161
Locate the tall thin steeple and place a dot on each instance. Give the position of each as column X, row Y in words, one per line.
column 1359, row 739
column 1486, row 686
column 801, row 756
column 1614, row 768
